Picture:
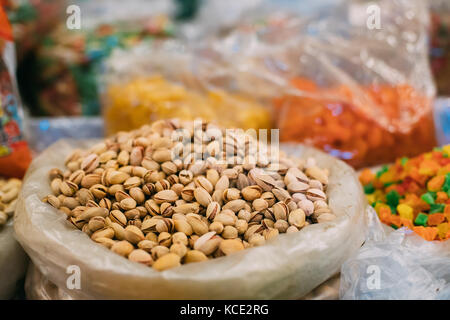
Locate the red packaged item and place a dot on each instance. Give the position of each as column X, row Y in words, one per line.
column 15, row 155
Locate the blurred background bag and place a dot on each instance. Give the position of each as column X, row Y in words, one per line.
column 14, row 153
column 360, row 91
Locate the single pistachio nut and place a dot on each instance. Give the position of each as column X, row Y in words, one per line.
column 140, row 256
column 231, row 246
column 168, row 261
column 133, row 234
column 297, row 218
column 123, row 248
column 194, row 256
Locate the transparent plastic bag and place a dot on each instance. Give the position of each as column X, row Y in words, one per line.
column 13, row 262
column 289, row 267
column 338, row 82
column 170, row 79
column 396, row 264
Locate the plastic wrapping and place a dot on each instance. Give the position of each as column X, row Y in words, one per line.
column 68, row 61
column 38, row 287
column 396, row 265
column 168, row 79
column 289, row 267
column 342, row 82
column 42, row 132
column 13, row 262
column 14, row 153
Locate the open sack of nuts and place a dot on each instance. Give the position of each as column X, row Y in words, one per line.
column 228, row 219
column 13, row 261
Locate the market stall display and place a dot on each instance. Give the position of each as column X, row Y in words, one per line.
column 413, row 193
column 315, row 252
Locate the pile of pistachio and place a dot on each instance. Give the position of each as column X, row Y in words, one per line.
column 162, row 198
column 9, row 190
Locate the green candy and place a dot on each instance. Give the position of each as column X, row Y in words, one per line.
column 369, row 188
column 404, row 160
column 382, row 170
column 421, row 219
column 437, row 208
column 392, row 198
column 428, row 198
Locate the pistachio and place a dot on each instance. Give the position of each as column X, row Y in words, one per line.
column 212, row 210
column 281, row 225
column 180, row 237
column 123, row 248
column 179, row 249
column 198, row 226
column 165, row 196
column 231, row 246
column 315, row 194
column 256, row 240
column 159, row 251
column 141, row 256
column 103, row 233
column 202, row 196
column 297, row 218
column 317, row 174
column 168, row 261
column 133, row 234
column 204, row 183
column 229, row 232
column 194, row 256
column 147, row 245
column 207, row 243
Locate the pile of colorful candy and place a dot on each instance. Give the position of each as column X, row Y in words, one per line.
column 358, row 124
column 413, row 193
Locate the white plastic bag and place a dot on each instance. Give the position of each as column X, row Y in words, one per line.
column 13, row 262
column 396, row 265
column 287, row 268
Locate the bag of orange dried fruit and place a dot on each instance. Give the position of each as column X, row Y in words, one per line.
column 14, row 152
column 413, row 193
column 362, row 94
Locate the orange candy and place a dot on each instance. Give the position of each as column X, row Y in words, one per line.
column 435, row 218
column 428, row 233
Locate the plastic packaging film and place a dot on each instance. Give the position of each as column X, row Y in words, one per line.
column 289, row 267
column 341, row 85
column 166, row 79
column 13, row 262
column 396, row 265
